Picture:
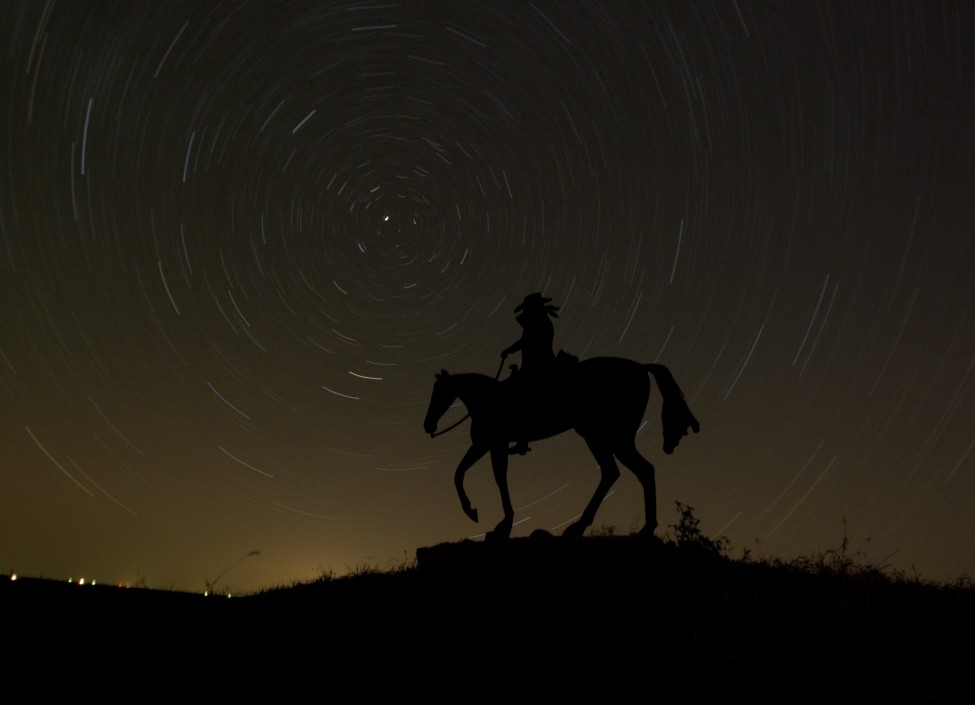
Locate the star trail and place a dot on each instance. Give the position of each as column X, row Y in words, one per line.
column 240, row 238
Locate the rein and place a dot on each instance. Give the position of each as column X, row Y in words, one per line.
column 467, row 415
column 451, row 427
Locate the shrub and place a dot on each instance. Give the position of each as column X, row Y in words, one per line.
column 687, row 533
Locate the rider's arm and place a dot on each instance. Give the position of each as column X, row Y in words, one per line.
column 514, row 347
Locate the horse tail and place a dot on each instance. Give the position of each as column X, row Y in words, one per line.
column 675, row 415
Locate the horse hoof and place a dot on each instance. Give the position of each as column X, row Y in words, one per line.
column 574, row 530
column 501, row 532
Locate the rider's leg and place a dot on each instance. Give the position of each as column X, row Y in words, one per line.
column 522, row 395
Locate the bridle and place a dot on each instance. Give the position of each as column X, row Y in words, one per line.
column 452, row 426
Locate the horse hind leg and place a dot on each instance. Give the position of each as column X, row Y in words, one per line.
column 644, row 471
column 499, row 464
column 609, row 473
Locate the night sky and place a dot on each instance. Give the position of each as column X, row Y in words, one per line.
column 237, row 240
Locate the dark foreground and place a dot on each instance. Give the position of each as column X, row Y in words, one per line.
column 609, row 619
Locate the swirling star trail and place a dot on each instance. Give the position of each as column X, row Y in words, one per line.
column 239, row 239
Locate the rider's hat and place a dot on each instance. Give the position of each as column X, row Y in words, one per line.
column 536, row 302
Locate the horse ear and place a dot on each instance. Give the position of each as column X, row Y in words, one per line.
column 443, row 373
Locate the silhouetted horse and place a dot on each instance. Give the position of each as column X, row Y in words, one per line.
column 603, row 399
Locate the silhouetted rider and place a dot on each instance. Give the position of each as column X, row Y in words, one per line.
column 535, row 345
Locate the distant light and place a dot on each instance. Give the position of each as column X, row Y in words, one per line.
column 81, row 581
column 385, row 218
column 13, row 576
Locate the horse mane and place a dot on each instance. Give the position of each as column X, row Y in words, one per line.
column 476, row 377
column 476, row 383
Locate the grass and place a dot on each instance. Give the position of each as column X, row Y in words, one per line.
column 669, row 620
column 840, row 562
column 613, row 616
column 683, row 541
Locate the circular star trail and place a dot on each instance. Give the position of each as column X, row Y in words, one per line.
column 239, row 239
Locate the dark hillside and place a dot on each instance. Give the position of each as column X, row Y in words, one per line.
column 616, row 618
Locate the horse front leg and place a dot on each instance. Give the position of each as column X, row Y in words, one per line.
column 473, row 454
column 499, row 463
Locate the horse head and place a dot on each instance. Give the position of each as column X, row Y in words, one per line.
column 441, row 399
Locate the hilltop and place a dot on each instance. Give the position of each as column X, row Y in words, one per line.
column 617, row 618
